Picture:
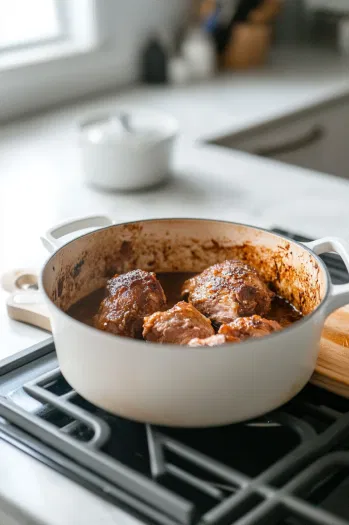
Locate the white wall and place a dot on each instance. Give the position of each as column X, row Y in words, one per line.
column 124, row 25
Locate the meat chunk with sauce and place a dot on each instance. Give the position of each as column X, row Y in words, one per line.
column 214, row 340
column 228, row 290
column 246, row 327
column 131, row 297
column 239, row 330
column 179, row 325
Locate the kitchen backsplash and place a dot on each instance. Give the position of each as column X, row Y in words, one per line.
column 293, row 23
column 313, row 22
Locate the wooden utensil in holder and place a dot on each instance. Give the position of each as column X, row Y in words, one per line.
column 248, row 46
column 250, row 39
column 266, row 12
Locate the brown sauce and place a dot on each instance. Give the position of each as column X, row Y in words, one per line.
column 283, row 312
column 85, row 309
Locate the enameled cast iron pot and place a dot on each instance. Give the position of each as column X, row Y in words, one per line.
column 179, row 385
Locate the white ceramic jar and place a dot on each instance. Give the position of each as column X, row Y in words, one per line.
column 116, row 158
column 199, row 53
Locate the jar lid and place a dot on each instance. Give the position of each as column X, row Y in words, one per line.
column 135, row 127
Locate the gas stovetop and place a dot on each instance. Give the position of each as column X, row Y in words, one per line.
column 290, row 467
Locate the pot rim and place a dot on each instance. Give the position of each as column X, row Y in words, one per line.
column 151, row 346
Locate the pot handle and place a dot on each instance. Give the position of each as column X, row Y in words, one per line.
column 339, row 294
column 51, row 238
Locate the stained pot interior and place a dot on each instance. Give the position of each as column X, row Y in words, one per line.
column 86, row 263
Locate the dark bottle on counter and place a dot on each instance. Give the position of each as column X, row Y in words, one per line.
column 154, row 63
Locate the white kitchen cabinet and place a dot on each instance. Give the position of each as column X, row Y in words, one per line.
column 317, row 140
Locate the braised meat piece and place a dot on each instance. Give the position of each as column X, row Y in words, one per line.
column 179, row 325
column 228, row 290
column 214, row 340
column 238, row 330
column 131, row 297
column 245, row 327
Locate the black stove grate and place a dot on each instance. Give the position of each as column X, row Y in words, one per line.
column 240, row 473
column 290, row 467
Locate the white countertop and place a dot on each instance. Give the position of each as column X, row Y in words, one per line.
column 41, row 184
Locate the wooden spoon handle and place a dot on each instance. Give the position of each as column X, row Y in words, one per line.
column 29, row 307
column 20, row 279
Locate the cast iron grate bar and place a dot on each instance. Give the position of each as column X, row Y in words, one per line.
column 261, row 485
column 307, row 452
column 289, row 498
column 327, row 413
column 75, row 472
column 93, row 459
column 225, row 479
column 26, row 356
column 101, row 430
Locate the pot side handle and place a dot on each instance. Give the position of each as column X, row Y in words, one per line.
column 51, row 238
column 339, row 294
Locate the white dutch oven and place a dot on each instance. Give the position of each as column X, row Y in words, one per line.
column 176, row 385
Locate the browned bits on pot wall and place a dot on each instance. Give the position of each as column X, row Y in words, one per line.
column 186, row 246
column 60, row 284
column 126, row 250
column 77, row 268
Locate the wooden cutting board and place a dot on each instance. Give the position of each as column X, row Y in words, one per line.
column 332, row 369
